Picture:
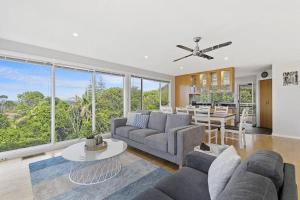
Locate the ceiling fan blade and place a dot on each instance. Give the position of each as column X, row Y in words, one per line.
column 182, row 57
column 185, row 48
column 206, row 56
column 215, row 47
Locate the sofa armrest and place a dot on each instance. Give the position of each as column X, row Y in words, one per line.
column 117, row 122
column 199, row 161
column 289, row 188
column 172, row 139
column 187, row 139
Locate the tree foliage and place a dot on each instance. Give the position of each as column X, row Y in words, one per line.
column 27, row 121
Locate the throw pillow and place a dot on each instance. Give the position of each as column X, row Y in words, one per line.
column 221, row 171
column 141, row 121
column 130, row 119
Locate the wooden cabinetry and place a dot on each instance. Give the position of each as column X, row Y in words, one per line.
column 221, row 79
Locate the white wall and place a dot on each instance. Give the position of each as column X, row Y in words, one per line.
column 286, row 102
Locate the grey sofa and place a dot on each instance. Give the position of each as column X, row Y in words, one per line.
column 168, row 136
column 263, row 176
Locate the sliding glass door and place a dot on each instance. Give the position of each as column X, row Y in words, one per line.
column 24, row 105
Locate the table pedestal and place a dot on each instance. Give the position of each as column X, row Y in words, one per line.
column 93, row 172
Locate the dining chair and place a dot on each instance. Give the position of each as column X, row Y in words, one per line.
column 202, row 117
column 180, row 110
column 166, row 109
column 239, row 130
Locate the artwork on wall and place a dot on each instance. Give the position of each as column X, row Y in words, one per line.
column 290, row 78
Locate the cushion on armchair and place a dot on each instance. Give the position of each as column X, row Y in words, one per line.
column 221, row 170
column 269, row 164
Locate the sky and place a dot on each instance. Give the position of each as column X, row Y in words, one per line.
column 16, row 78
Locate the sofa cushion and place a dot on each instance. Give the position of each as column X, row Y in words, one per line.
column 152, row 194
column 158, row 141
column 175, row 120
column 267, row 163
column 249, row 186
column 157, row 121
column 221, row 170
column 187, row 183
column 140, row 134
column 124, row 130
column 141, row 121
column 130, row 119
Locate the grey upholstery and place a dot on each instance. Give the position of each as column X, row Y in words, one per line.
column 268, row 164
column 172, row 139
column 289, row 188
column 143, row 112
column 249, row 186
column 124, row 130
column 190, row 182
column 117, row 122
column 139, row 135
column 177, row 120
column 158, row 141
column 157, row 121
column 171, row 146
column 153, row 193
column 185, row 184
column 199, row 161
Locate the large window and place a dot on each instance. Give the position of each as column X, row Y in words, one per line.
column 73, row 103
column 109, row 100
column 24, row 105
column 148, row 94
column 42, row 103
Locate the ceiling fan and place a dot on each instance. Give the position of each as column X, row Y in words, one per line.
column 201, row 53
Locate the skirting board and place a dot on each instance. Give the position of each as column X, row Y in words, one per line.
column 286, row 136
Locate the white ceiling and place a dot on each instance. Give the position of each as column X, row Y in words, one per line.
column 124, row 31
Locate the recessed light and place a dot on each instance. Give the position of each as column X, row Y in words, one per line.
column 226, row 58
column 75, row 34
column 146, row 57
column 181, row 68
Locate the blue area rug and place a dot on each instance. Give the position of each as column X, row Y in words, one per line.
column 50, row 180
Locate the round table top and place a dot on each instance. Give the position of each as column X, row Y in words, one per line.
column 77, row 152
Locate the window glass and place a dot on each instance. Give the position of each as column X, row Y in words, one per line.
column 109, row 100
column 73, row 104
column 24, row 105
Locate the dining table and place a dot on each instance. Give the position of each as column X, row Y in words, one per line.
column 222, row 118
column 219, row 117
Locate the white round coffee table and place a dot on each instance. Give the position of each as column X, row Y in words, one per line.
column 92, row 167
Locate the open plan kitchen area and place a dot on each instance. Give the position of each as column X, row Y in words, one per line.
column 232, row 95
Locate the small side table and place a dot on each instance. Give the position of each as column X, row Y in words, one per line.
column 215, row 149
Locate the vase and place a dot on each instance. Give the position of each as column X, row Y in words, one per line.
column 90, row 142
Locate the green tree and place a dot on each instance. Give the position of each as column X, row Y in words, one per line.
column 4, row 123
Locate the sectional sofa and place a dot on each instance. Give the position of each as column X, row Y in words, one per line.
column 168, row 136
column 262, row 176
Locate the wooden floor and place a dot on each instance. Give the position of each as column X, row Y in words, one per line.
column 15, row 178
